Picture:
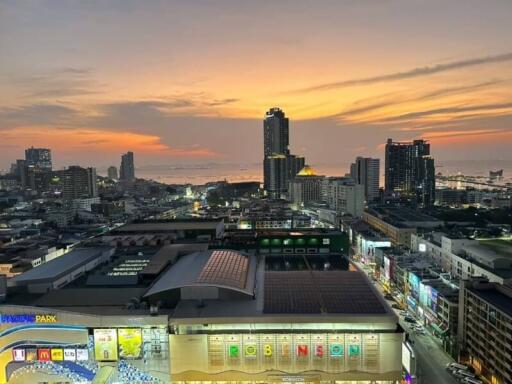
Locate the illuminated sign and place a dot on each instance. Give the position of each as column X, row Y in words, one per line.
column 82, row 355
column 44, row 354
column 31, row 354
column 28, row 318
column 105, row 344
column 336, row 350
column 354, row 350
column 130, row 342
column 18, row 354
column 57, row 354
column 406, row 357
column 70, row 354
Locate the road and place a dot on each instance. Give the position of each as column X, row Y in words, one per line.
column 431, row 359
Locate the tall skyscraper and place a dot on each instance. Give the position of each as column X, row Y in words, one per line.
column 275, row 132
column 39, row 157
column 365, row 171
column 410, row 170
column 78, row 183
column 112, row 173
column 279, row 165
column 127, row 170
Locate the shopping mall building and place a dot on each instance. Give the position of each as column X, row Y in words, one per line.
column 203, row 316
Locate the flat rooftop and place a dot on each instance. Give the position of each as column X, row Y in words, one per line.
column 495, row 298
column 166, row 226
column 403, row 215
column 62, row 265
column 316, row 292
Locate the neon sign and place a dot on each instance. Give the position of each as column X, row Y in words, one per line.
column 28, row 318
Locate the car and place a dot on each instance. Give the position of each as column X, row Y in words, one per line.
column 387, row 296
column 409, row 319
column 395, row 306
column 457, row 366
column 404, row 313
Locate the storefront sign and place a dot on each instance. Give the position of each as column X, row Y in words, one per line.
column 57, row 354
column 82, row 354
column 28, row 318
column 70, row 354
column 18, row 354
column 105, row 344
column 44, row 354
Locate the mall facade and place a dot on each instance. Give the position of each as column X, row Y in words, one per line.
column 214, row 316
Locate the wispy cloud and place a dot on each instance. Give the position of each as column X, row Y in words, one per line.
column 449, row 110
column 413, row 73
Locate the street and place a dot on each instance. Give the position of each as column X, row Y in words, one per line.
column 431, row 359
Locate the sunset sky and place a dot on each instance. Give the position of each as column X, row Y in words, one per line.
column 190, row 81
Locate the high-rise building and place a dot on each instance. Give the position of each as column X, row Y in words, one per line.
column 305, row 187
column 410, row 171
column 279, row 165
column 365, row 171
column 343, row 195
column 275, row 132
column 39, row 157
column 112, row 173
column 78, row 183
column 127, row 170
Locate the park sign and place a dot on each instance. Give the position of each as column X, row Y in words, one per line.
column 28, row 318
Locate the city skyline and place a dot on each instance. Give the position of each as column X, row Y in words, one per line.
column 352, row 75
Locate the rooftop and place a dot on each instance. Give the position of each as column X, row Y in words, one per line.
column 62, row 265
column 496, row 298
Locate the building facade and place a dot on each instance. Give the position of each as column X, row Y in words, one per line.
column 344, row 196
column 366, row 171
column 485, row 328
column 39, row 157
column 279, row 165
column 78, row 182
column 410, row 171
column 127, row 169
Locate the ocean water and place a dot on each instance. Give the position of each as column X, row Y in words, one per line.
column 208, row 172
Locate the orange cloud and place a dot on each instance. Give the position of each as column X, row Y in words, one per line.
column 97, row 141
column 468, row 136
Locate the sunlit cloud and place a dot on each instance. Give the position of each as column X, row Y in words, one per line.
column 99, row 141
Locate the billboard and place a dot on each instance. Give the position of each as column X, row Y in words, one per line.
column 130, row 342
column 105, row 344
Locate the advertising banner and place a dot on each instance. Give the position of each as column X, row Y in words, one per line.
column 130, row 342
column 105, row 344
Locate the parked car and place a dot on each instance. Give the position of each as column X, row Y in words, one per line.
column 409, row 319
column 457, row 366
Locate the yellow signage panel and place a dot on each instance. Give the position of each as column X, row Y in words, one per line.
column 57, row 354
column 130, row 342
column 105, row 344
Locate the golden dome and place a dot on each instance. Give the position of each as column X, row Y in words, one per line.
column 307, row 171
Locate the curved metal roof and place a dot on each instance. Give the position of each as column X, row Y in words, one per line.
column 225, row 269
